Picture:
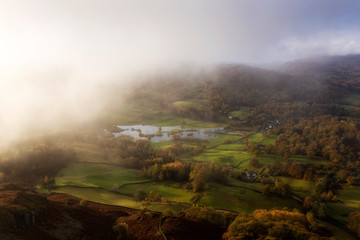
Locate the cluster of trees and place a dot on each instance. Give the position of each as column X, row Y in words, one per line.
column 163, row 164
column 327, row 184
column 336, row 70
column 273, row 110
column 140, row 154
column 354, row 223
column 48, row 183
column 316, row 205
column 227, row 87
column 140, row 195
column 278, row 188
column 199, row 174
column 31, row 160
column 133, row 153
column 177, row 171
column 334, row 138
column 292, row 169
column 215, row 216
column 273, row 224
column 195, row 112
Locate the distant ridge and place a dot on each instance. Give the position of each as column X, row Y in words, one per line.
column 342, row 71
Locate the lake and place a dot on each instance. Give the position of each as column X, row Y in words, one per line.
column 157, row 134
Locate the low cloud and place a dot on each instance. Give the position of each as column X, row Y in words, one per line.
column 56, row 54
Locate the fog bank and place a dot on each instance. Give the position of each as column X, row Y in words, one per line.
column 57, row 56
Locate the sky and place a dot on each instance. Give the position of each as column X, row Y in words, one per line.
column 54, row 53
column 114, row 33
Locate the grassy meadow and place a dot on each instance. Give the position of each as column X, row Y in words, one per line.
column 97, row 175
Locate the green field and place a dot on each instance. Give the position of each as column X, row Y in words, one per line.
column 268, row 158
column 171, row 191
column 231, row 147
column 113, row 198
column 100, row 196
column 100, row 175
column 90, row 152
column 223, row 138
column 191, row 102
column 339, row 233
column 224, row 157
column 241, row 200
column 243, row 112
column 350, row 196
column 173, row 120
column 100, row 178
column 220, row 149
column 337, row 212
column 259, row 138
column 237, row 183
column 301, row 187
column 147, row 112
column 353, row 99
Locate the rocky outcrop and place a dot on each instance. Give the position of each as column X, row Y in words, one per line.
column 28, row 215
column 20, row 207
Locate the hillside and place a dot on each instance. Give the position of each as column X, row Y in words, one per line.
column 25, row 214
column 342, row 71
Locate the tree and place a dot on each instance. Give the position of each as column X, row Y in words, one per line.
column 281, row 189
column 121, row 228
column 273, row 224
column 219, row 173
column 350, row 180
column 199, row 175
column 140, row 195
column 286, row 156
column 327, row 183
column 83, row 203
column 254, row 163
column 310, row 174
column 46, row 180
column 48, row 183
column 354, row 223
column 252, row 148
column 319, row 209
column 269, row 148
column 308, row 202
column 267, row 190
column 168, row 212
column 115, row 187
column 296, row 170
column 143, row 149
column 342, row 175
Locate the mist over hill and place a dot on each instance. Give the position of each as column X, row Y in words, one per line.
column 342, row 71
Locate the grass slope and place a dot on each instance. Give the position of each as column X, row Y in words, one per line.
column 169, row 190
column 241, row 200
column 100, row 175
column 350, row 196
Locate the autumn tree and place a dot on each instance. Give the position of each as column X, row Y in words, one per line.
column 199, row 176
column 350, row 180
column 354, row 222
column 254, row 163
column 48, row 183
column 273, row 224
column 140, row 195
column 308, row 202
